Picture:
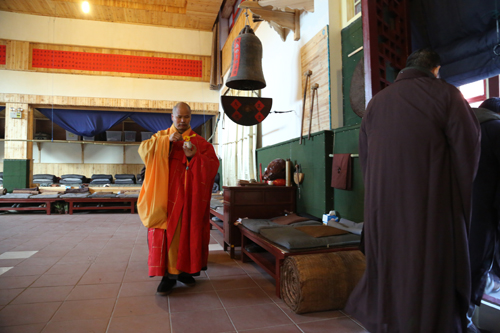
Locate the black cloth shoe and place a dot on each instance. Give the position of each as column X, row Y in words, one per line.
column 165, row 287
column 187, row 279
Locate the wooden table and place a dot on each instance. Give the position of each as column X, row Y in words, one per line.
column 72, row 201
column 256, row 202
column 47, row 203
column 272, row 258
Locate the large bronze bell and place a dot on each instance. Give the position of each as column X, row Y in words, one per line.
column 246, row 63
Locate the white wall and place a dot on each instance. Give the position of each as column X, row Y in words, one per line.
column 43, row 29
column 72, row 153
column 107, row 35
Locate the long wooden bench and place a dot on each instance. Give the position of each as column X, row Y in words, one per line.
column 73, row 201
column 47, row 202
column 272, row 258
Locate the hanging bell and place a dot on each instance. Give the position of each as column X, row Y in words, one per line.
column 246, row 63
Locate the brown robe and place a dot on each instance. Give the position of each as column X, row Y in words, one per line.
column 419, row 149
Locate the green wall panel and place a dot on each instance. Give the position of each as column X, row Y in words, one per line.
column 352, row 39
column 350, row 204
column 16, row 174
column 316, row 194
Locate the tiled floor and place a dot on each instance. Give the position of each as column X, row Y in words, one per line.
column 88, row 273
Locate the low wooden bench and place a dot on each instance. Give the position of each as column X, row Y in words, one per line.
column 272, row 258
column 73, row 201
column 47, row 202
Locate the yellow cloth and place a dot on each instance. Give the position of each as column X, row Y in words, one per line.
column 153, row 198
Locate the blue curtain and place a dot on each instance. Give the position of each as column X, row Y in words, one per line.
column 90, row 123
column 85, row 123
column 155, row 122
column 462, row 32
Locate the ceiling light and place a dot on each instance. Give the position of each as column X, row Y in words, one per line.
column 85, row 7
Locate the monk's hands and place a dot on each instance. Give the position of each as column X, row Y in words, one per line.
column 190, row 152
column 175, row 137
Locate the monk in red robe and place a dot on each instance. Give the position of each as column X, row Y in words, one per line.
column 174, row 200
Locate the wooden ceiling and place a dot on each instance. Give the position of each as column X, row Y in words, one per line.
column 184, row 14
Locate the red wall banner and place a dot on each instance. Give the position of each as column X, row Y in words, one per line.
column 103, row 62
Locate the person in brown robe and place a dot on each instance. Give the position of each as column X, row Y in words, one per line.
column 484, row 240
column 418, row 150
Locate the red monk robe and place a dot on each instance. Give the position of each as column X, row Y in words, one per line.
column 174, row 202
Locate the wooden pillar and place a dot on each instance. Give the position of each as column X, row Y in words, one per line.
column 18, row 161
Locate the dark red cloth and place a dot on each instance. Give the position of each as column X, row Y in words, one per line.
column 342, row 171
column 419, row 149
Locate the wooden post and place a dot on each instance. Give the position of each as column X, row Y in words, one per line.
column 18, row 154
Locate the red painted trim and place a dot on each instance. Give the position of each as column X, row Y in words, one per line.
column 3, row 54
column 494, row 86
column 236, row 57
column 102, row 62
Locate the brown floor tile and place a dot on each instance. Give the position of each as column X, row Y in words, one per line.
column 155, row 323
column 140, row 275
column 7, row 295
column 48, row 280
column 14, row 282
column 42, row 261
column 224, row 269
column 275, row 329
column 140, row 305
column 203, row 284
column 213, row 321
column 232, row 282
column 85, row 259
column 10, row 262
column 85, row 309
column 94, row 291
column 219, row 257
column 243, row 297
column 308, row 317
column 43, row 294
column 258, row 316
column 22, row 314
column 34, row 328
column 77, row 326
column 96, row 277
column 194, row 301
column 339, row 325
column 130, row 289
column 120, row 266
column 26, row 270
column 65, row 268
column 251, row 268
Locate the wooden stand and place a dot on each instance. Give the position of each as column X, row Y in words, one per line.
column 257, row 202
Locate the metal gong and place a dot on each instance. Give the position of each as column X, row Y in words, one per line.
column 357, row 92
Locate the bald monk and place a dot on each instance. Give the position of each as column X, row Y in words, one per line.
column 174, row 200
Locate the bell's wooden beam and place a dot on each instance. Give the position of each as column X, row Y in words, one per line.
column 307, row 5
column 287, row 19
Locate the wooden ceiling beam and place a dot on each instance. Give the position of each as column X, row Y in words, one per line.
column 228, row 8
column 132, row 5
